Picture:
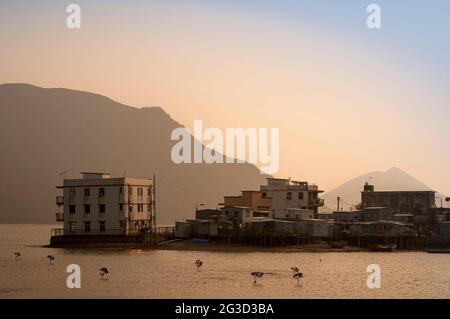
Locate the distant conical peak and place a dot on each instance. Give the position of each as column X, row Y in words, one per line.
column 395, row 169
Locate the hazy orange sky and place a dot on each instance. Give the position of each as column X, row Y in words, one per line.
column 347, row 100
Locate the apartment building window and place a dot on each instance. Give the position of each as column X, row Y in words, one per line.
column 149, row 191
column 130, row 208
column 72, row 193
column 289, row 196
column 72, row 209
column 149, row 208
column 101, row 192
column 87, row 192
column 71, row 227
column 121, row 224
column 102, row 226
column 87, row 227
column 120, row 190
column 121, row 207
column 101, row 208
column 130, row 191
column 264, row 195
column 140, row 191
column 87, row 209
column 300, row 195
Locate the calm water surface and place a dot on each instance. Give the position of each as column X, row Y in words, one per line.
column 172, row 274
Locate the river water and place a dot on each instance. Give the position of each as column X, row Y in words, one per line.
column 138, row 273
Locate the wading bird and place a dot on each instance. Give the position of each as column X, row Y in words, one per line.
column 50, row 259
column 198, row 263
column 103, row 272
column 298, row 276
column 295, row 269
column 256, row 275
column 17, row 255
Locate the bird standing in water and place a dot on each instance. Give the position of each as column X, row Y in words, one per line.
column 256, row 275
column 198, row 263
column 103, row 272
column 50, row 259
column 298, row 276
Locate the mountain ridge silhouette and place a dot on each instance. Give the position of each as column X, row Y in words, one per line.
column 46, row 131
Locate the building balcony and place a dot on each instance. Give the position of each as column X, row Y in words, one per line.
column 59, row 217
column 59, row 200
column 318, row 202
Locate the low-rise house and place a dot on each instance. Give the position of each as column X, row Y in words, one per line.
column 221, row 227
column 252, row 199
column 404, row 218
column 314, row 228
column 262, row 213
column 285, row 227
column 347, row 216
column 378, row 228
column 201, row 228
column 270, row 226
column 183, row 229
column 325, row 216
column 369, row 214
column 206, row 214
column 444, row 229
column 293, row 214
column 239, row 214
column 373, row 214
column 260, row 226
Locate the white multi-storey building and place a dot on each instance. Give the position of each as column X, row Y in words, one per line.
column 286, row 193
column 98, row 204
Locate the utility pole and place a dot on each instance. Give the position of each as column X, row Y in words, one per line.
column 153, row 217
